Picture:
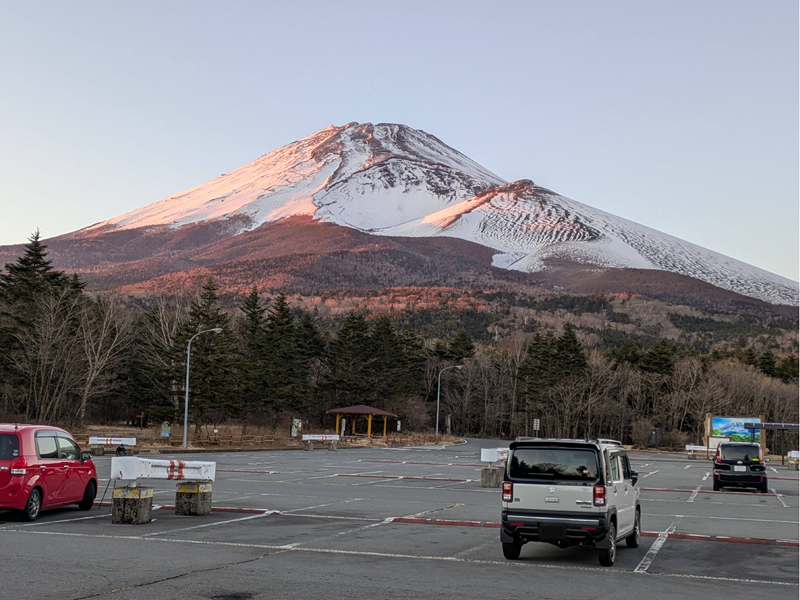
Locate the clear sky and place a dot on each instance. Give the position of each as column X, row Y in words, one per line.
column 680, row 115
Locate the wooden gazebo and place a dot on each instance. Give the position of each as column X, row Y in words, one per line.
column 360, row 410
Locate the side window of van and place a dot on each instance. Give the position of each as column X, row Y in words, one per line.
column 626, row 467
column 615, row 472
column 46, row 446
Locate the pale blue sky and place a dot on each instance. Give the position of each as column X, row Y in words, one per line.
column 682, row 116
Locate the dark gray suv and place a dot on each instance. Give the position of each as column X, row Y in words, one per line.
column 740, row 464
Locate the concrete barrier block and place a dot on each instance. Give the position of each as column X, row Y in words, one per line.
column 332, row 446
column 193, row 498
column 491, row 477
column 98, row 450
column 132, row 505
column 793, row 466
column 309, row 445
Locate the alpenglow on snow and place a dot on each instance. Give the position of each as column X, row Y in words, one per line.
column 393, row 180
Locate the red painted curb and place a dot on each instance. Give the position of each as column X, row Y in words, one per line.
column 690, row 536
column 494, row 525
column 737, row 540
column 411, row 520
column 461, row 523
column 788, row 543
column 649, row 533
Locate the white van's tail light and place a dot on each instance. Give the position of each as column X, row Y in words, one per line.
column 508, row 491
column 19, row 466
column 599, row 495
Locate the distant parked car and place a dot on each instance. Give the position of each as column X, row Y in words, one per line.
column 740, row 464
column 43, row 467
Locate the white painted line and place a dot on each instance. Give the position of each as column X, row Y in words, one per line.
column 778, row 496
column 654, row 549
column 491, row 542
column 774, row 469
column 694, row 494
column 41, row 523
column 348, row 532
column 264, row 514
column 650, row 473
column 706, row 476
column 687, row 467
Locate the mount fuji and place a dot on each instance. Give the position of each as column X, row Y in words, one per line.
column 394, row 182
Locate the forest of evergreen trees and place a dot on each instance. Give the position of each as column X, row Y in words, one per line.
column 71, row 358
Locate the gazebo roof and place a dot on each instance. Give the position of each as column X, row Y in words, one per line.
column 360, row 409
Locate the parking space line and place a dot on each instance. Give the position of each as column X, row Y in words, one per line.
column 205, row 525
column 338, row 533
column 650, row 473
column 40, row 523
column 706, row 475
column 654, row 549
column 778, row 496
column 694, row 494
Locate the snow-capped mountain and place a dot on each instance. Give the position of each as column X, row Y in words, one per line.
column 392, row 180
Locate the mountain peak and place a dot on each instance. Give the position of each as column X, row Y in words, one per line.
column 392, row 180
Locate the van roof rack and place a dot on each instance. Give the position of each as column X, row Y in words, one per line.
column 609, row 441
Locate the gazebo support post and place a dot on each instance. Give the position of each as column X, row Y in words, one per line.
column 369, row 425
column 384, row 425
column 338, row 420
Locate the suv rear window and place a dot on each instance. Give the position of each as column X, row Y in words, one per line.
column 9, row 446
column 740, row 452
column 564, row 464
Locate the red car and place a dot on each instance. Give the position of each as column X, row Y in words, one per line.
column 43, row 467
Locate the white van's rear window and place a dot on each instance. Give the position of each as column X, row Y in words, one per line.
column 553, row 463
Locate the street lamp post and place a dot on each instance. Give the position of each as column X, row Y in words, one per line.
column 188, row 360
column 438, row 394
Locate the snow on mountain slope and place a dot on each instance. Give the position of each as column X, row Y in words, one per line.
column 358, row 175
column 392, row 180
column 531, row 226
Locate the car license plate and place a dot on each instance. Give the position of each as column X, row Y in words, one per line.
column 739, row 468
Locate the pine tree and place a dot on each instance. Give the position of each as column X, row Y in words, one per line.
column 349, row 363
column 766, row 364
column 285, row 382
column 659, row 359
column 627, row 353
column 214, row 359
column 388, row 363
column 461, row 347
column 570, row 359
column 750, row 357
column 788, row 369
column 253, row 335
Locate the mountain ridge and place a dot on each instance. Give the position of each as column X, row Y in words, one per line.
column 393, row 181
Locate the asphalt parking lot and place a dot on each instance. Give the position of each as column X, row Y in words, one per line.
column 400, row 523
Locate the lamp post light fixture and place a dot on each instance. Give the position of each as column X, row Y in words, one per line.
column 438, row 394
column 188, row 360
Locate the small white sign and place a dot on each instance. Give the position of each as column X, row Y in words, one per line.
column 320, row 438
column 111, row 441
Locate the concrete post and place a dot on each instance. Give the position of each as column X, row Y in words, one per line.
column 132, row 505
column 309, row 445
column 193, row 498
column 332, row 446
column 491, row 477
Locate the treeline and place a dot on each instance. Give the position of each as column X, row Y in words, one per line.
column 71, row 358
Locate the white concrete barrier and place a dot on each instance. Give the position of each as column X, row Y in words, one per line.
column 492, row 455
column 316, row 437
column 131, row 468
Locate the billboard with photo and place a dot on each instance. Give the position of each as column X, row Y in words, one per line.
column 733, row 428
